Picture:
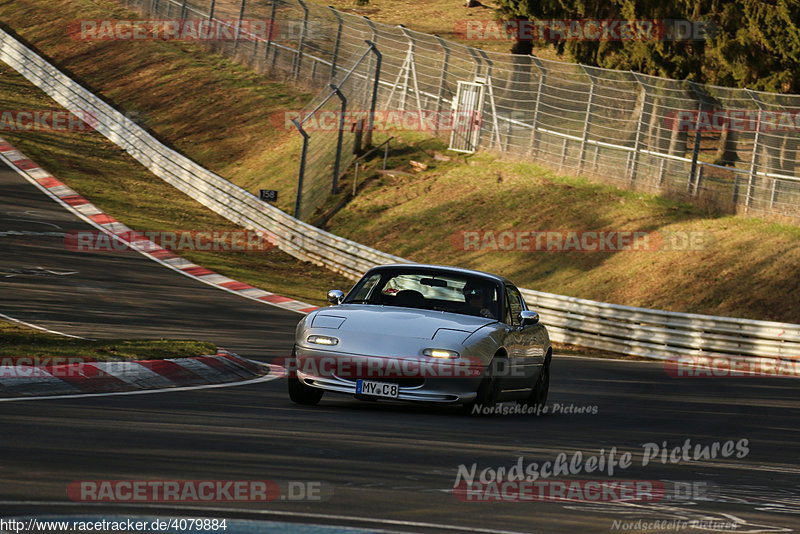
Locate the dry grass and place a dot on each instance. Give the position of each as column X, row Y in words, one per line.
column 188, row 98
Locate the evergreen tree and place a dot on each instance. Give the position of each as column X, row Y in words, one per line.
column 751, row 43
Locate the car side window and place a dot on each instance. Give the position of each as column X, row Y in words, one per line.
column 366, row 288
column 513, row 305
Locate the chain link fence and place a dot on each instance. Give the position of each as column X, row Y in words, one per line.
column 733, row 149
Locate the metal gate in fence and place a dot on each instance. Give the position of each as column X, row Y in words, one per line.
column 466, row 120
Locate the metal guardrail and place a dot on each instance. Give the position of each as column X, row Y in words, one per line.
column 623, row 329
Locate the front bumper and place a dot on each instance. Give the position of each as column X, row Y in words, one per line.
column 419, row 379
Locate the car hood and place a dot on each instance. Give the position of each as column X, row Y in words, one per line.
column 394, row 321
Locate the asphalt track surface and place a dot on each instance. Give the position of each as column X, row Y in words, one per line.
column 384, row 466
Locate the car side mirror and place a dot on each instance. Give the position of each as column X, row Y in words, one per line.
column 528, row 318
column 335, row 296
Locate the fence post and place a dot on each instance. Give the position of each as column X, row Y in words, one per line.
column 697, row 138
column 751, row 184
column 183, row 10
column 539, row 86
column 269, row 35
column 337, row 42
column 239, row 26
column 587, row 119
column 374, row 39
column 211, row 10
column 442, row 83
column 300, row 176
column 700, row 169
column 774, row 193
column 375, row 86
column 342, row 112
column 490, row 87
column 637, row 144
column 412, row 70
column 299, row 58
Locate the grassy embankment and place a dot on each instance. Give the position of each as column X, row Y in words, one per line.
column 745, row 267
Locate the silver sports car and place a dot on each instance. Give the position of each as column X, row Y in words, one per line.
column 423, row 333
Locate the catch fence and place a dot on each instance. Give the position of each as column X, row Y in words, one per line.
column 735, row 149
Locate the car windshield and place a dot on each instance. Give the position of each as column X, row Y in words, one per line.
column 427, row 290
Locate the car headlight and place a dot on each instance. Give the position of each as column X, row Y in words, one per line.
column 323, row 340
column 440, row 353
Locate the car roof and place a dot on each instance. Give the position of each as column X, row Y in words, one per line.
column 443, row 269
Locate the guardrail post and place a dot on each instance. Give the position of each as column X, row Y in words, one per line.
column 442, row 83
column 539, row 86
column 299, row 57
column 375, row 85
column 337, row 43
column 300, row 176
column 335, row 186
column 587, row 119
column 239, row 26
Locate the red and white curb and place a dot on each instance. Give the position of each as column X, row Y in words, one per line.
column 90, row 213
column 20, row 380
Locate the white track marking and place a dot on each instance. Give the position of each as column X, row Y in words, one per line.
column 265, row 378
column 43, row 329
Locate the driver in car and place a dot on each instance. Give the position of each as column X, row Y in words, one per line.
column 476, row 299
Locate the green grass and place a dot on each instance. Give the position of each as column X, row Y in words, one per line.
column 42, row 348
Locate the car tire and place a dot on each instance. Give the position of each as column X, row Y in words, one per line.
column 538, row 397
column 488, row 390
column 301, row 393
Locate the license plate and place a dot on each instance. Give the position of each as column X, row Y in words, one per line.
column 377, row 389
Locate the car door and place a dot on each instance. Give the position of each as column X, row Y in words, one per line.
column 525, row 352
